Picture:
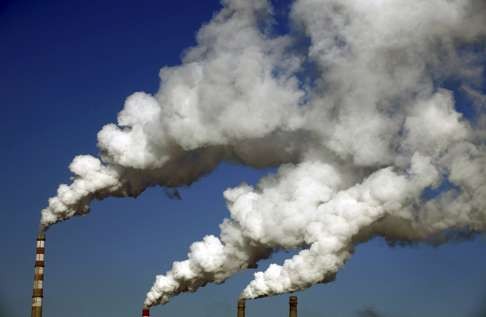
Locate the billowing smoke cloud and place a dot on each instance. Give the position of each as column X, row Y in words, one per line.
column 225, row 102
column 353, row 107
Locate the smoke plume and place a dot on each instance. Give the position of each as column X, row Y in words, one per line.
column 354, row 105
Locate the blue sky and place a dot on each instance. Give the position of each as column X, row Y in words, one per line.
column 67, row 67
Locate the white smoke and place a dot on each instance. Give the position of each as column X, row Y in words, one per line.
column 352, row 105
column 224, row 102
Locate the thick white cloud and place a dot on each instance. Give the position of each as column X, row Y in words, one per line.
column 349, row 106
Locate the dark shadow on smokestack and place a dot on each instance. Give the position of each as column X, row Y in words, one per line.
column 293, row 306
column 38, row 290
column 241, row 308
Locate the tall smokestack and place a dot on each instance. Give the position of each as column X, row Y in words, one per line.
column 293, row 306
column 145, row 312
column 38, row 293
column 241, row 308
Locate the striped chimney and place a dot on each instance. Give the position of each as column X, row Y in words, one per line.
column 293, row 306
column 145, row 312
column 241, row 308
column 38, row 292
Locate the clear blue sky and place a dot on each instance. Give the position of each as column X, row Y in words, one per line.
column 66, row 68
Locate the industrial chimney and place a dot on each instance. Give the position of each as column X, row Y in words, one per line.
column 145, row 312
column 293, row 306
column 37, row 292
column 241, row 308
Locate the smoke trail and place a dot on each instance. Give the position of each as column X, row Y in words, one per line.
column 378, row 130
column 195, row 120
column 362, row 141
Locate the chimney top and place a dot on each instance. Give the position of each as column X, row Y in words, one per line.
column 41, row 235
column 293, row 299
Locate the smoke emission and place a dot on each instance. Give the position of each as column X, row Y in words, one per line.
column 356, row 105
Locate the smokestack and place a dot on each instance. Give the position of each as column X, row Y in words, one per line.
column 241, row 308
column 293, row 306
column 38, row 293
column 145, row 312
